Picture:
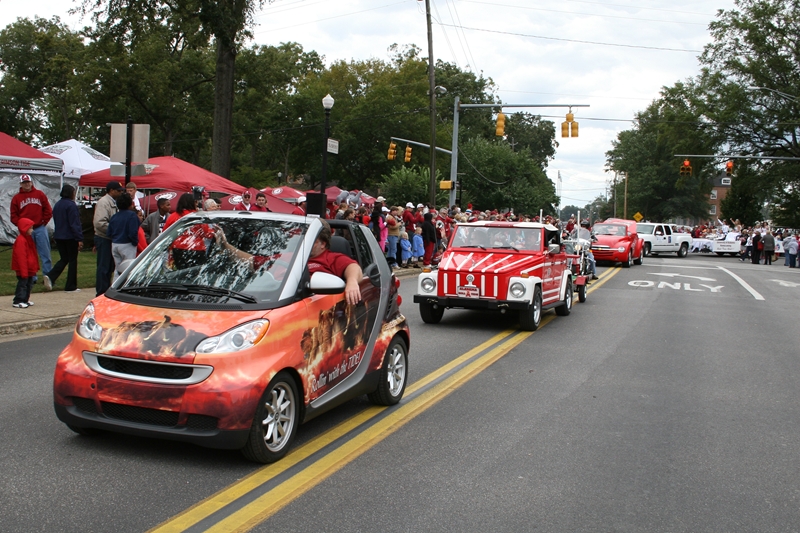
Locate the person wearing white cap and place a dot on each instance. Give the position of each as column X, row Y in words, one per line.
column 411, row 217
column 410, row 205
column 300, row 209
column 31, row 203
column 380, row 199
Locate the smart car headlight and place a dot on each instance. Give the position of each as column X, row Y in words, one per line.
column 241, row 337
column 428, row 284
column 621, row 249
column 88, row 328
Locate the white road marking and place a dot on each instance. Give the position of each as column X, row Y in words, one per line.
column 783, row 283
column 743, row 283
column 682, row 276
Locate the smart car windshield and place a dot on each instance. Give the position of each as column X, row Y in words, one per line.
column 218, row 260
column 498, row 237
column 609, row 229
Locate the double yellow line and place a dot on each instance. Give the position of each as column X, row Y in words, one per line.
column 270, row 502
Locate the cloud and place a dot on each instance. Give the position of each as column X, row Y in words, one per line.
column 513, row 42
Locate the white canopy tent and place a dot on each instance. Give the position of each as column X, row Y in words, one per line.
column 78, row 158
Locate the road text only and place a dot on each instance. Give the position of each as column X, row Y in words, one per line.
column 676, row 286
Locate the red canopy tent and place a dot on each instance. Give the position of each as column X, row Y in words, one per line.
column 287, row 194
column 150, row 203
column 168, row 173
column 276, row 205
column 17, row 156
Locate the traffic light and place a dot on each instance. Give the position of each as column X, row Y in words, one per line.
column 569, row 128
column 408, row 154
column 729, row 168
column 445, row 185
column 500, row 129
column 686, row 168
column 392, row 151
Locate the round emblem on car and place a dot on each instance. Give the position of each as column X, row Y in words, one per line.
column 470, row 278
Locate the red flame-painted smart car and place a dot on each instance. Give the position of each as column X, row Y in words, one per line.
column 234, row 350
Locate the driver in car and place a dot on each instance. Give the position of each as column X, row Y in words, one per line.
column 321, row 260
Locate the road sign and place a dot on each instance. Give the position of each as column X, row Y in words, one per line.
column 638, row 217
column 333, row 146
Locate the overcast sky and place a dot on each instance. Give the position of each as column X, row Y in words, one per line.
column 612, row 55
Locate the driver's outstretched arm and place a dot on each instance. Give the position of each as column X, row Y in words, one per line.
column 352, row 278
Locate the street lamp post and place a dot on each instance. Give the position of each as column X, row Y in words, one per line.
column 327, row 103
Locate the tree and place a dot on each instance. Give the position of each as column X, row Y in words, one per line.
column 496, row 177
column 409, row 184
column 44, row 86
column 226, row 20
column 645, row 155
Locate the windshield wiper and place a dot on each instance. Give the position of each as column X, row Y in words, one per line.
column 474, row 246
column 507, row 247
column 219, row 291
column 196, row 289
column 155, row 287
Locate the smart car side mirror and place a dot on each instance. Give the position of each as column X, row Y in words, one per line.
column 374, row 274
column 324, row 283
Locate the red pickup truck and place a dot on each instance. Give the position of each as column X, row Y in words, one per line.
column 618, row 242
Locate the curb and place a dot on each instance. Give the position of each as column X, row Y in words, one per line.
column 38, row 324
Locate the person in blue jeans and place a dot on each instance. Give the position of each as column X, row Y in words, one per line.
column 31, row 203
column 104, row 209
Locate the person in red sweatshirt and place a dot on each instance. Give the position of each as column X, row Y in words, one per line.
column 24, row 262
column 31, row 203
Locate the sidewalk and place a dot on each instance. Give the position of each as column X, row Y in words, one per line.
column 59, row 309
column 54, row 309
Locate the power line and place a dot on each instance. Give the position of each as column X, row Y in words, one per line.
column 681, row 22
column 577, row 40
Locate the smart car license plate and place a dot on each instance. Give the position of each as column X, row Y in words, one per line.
column 468, row 291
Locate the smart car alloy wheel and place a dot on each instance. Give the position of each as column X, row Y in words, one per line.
column 275, row 421
column 392, row 382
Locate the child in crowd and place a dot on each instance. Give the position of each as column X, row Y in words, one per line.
column 417, row 247
column 25, row 262
column 438, row 255
column 405, row 250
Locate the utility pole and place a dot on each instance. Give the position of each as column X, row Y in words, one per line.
column 625, row 201
column 432, row 91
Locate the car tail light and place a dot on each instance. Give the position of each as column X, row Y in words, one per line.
column 399, row 300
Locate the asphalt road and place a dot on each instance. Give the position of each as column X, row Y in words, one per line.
column 666, row 402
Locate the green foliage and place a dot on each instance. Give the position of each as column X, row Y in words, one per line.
column 410, row 184
column 498, row 178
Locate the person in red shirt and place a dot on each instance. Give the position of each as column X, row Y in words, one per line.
column 301, row 207
column 24, row 262
column 261, row 203
column 320, row 260
column 31, row 203
column 323, row 260
column 245, row 204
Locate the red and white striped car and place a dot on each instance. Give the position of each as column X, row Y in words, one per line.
column 502, row 266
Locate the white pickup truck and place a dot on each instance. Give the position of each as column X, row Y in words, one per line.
column 663, row 238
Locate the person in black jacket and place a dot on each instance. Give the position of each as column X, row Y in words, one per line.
column 428, row 238
column 69, row 239
column 756, row 251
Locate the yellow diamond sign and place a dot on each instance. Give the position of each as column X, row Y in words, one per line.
column 638, row 217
